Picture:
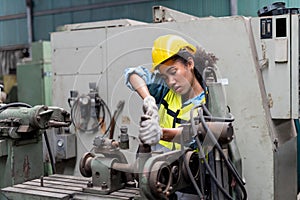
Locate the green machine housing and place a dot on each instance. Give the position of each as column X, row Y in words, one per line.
column 34, row 76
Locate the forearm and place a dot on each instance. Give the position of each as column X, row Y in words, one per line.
column 139, row 85
column 169, row 134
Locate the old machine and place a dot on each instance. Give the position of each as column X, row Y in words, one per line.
column 159, row 175
column 22, row 127
column 252, row 155
column 153, row 175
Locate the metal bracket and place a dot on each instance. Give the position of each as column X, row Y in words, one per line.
column 164, row 14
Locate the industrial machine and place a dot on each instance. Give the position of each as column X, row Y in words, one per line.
column 21, row 131
column 258, row 67
column 153, row 174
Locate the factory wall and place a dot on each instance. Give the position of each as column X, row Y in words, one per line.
column 250, row 8
column 50, row 14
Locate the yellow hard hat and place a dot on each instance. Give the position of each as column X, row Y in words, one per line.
column 167, row 46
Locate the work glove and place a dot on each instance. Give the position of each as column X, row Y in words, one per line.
column 150, row 107
column 150, row 132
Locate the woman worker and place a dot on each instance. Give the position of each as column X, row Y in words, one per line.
column 175, row 85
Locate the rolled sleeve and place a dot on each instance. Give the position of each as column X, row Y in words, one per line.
column 141, row 71
column 156, row 85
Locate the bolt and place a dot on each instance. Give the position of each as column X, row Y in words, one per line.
column 104, row 186
column 167, row 193
column 276, row 142
column 42, row 181
column 89, row 184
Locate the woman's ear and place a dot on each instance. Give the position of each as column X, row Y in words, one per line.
column 190, row 63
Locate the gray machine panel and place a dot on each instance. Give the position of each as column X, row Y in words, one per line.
column 229, row 38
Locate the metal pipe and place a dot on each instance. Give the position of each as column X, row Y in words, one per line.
column 223, row 131
column 233, row 7
column 124, row 167
column 29, row 23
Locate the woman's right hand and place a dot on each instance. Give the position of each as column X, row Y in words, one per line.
column 150, row 107
column 150, row 131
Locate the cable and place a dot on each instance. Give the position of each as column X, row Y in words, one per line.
column 189, row 170
column 50, row 152
column 202, row 155
column 102, row 110
column 211, row 136
column 231, row 119
column 15, row 104
column 217, row 119
column 106, row 132
column 214, row 140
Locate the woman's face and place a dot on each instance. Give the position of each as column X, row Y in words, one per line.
column 179, row 77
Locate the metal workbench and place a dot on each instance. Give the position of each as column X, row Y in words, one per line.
column 62, row 187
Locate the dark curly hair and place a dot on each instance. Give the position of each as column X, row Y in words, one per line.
column 203, row 60
column 205, row 63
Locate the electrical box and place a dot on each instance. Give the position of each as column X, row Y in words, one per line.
column 277, row 45
column 65, row 146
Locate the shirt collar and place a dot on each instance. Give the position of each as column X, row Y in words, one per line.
column 195, row 100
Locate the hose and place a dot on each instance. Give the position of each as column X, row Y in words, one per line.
column 15, row 104
column 220, row 119
column 102, row 110
column 103, row 106
column 202, row 156
column 211, row 136
column 217, row 119
column 49, row 152
column 214, row 140
column 189, row 170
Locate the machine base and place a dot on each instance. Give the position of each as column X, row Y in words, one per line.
column 62, row 187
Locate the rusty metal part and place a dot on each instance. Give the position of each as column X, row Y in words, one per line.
column 85, row 164
column 223, row 131
column 116, row 114
column 26, row 167
column 160, row 179
column 194, row 164
column 124, row 167
column 162, row 175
